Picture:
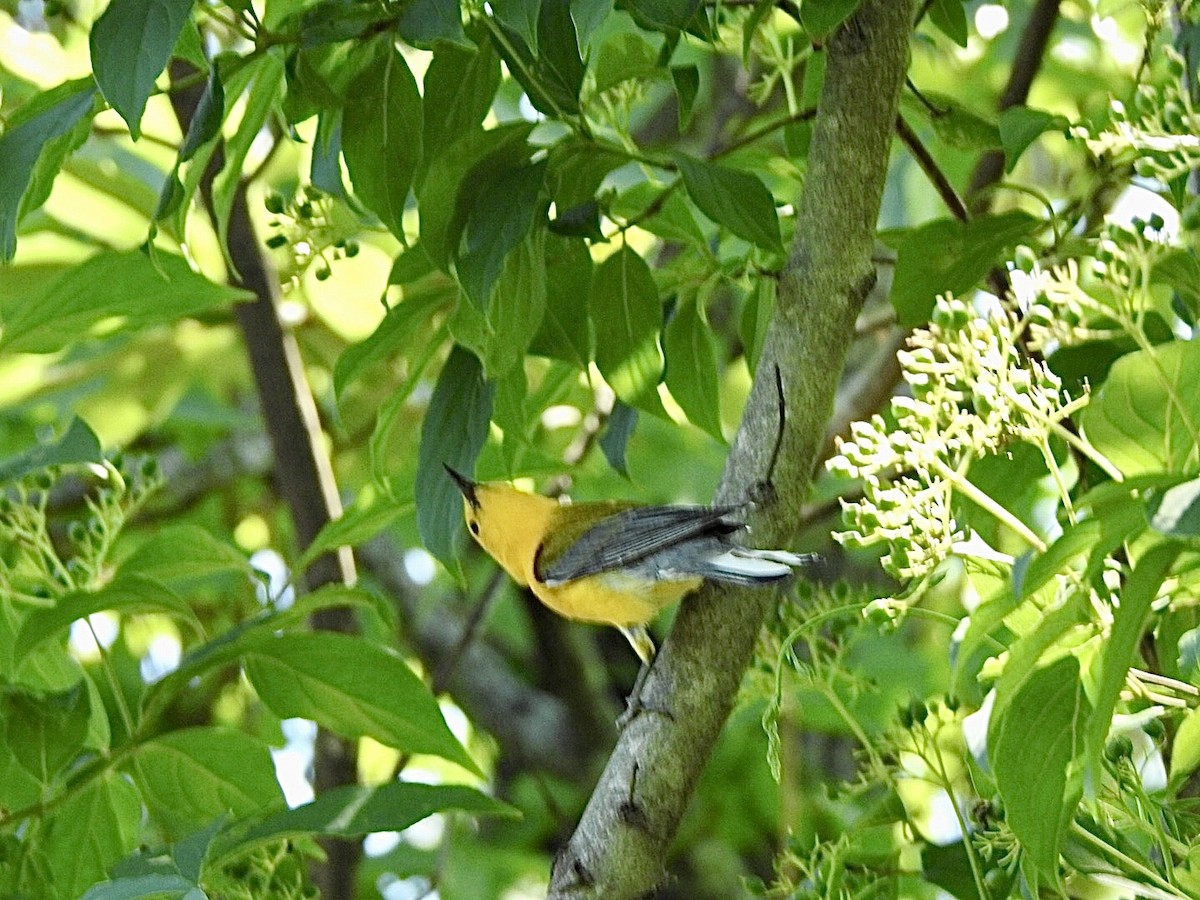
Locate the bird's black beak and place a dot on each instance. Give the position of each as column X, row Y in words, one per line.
column 465, row 484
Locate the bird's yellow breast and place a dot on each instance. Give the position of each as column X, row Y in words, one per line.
column 612, row 598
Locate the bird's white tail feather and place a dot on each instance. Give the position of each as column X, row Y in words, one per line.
column 779, row 556
column 734, row 565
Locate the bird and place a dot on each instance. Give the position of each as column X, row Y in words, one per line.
column 615, row 562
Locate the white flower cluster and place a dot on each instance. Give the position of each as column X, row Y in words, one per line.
column 973, row 391
column 1066, row 306
column 1160, row 135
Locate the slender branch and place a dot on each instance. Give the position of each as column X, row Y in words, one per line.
column 932, row 170
column 1028, row 60
column 304, row 472
column 618, row 849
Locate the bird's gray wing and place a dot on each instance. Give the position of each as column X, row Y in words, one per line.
column 634, row 534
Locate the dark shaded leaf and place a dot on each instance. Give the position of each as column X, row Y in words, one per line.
column 566, row 329
column 78, row 444
column 381, row 136
column 497, row 222
column 736, row 200
column 33, row 133
column 131, row 43
column 615, row 440
column 692, row 375
column 453, row 432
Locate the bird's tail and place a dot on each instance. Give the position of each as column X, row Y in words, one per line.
column 745, row 566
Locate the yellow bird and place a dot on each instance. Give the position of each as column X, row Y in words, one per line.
column 614, row 562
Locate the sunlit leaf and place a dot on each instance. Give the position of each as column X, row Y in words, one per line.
column 947, row 255
column 1119, row 651
column 1031, row 745
column 129, row 593
column 126, row 288
column 34, row 132
column 692, row 375
column 355, row 810
column 1020, row 126
column 78, row 444
column 1146, row 416
column 354, row 687
column 191, row 776
column 626, row 315
column 90, row 830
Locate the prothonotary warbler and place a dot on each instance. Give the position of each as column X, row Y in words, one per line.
column 614, row 562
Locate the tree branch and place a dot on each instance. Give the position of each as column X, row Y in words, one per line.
column 618, row 849
column 1034, row 39
column 303, row 473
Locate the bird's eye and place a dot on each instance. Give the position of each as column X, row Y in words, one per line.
column 474, row 526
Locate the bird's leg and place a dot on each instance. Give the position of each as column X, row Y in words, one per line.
column 643, row 646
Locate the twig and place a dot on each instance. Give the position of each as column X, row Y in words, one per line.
column 932, row 170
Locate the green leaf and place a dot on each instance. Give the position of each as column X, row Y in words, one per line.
column 1180, row 269
column 692, row 375
column 667, row 16
column 498, row 220
column 34, row 132
column 565, row 332
column 138, row 887
column 354, row 687
column 1076, row 540
column 500, row 335
column 178, row 554
column 733, row 199
column 355, row 810
column 1185, row 749
column 128, row 286
column 381, row 136
column 453, row 178
column 210, row 113
column 390, row 339
column 194, row 775
column 1031, row 744
column 687, row 85
column 1020, row 126
column 126, row 593
column 951, row 19
column 265, row 74
column 45, row 732
column 1175, row 511
column 90, row 831
column 431, row 23
column 821, row 17
column 1189, row 655
column 453, row 433
column 615, row 439
column 460, row 86
column 521, row 17
column 550, row 70
column 756, row 317
column 78, row 444
column 947, row 255
column 372, row 512
column 1119, row 650
column 623, row 56
column 626, row 316
column 131, row 43
column 1146, row 416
